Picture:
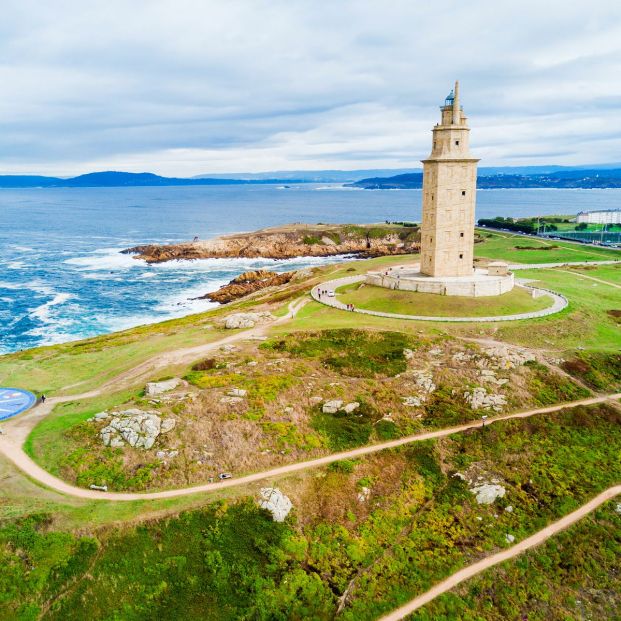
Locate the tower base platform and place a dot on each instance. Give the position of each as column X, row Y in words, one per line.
column 479, row 284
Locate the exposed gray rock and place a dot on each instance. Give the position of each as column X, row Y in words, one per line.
column 231, row 400
column 479, row 399
column 139, row 429
column 509, row 508
column 272, row 499
column 364, row 494
column 487, row 493
column 350, row 407
column 509, row 538
column 506, row 357
column 246, row 320
column 332, row 407
column 237, row 392
column 153, row 389
column 164, row 455
column 412, row 401
column 168, row 424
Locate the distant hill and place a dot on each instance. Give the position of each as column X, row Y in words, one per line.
column 111, row 179
column 314, row 176
column 572, row 178
column 600, row 176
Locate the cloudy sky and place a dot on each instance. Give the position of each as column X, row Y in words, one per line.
column 184, row 87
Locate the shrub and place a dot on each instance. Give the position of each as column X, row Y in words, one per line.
column 205, row 365
column 601, row 371
column 342, row 430
column 357, row 353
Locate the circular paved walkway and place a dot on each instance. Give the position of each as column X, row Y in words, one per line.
column 13, row 401
column 559, row 303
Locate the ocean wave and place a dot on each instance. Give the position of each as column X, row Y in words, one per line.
column 43, row 312
column 105, row 259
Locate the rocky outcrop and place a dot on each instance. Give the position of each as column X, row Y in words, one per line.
column 136, row 428
column 288, row 242
column 247, row 283
column 480, row 399
column 486, row 489
column 487, row 493
column 274, row 501
column 246, row 320
column 152, row 389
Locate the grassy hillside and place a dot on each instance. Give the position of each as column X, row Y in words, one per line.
column 415, row 524
column 365, row 535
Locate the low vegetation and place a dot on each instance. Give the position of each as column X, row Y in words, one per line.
column 365, row 536
column 260, row 406
column 573, row 576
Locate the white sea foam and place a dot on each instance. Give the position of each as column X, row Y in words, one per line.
column 42, row 312
column 104, row 259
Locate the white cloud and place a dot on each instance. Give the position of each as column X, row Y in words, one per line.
column 186, row 86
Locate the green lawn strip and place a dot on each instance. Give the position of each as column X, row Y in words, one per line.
column 608, row 273
column 413, row 303
column 585, row 323
column 503, row 246
column 574, row 575
column 230, row 561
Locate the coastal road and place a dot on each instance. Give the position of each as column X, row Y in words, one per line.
column 11, row 448
column 500, row 557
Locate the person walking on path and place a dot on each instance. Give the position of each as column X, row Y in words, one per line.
column 42, row 398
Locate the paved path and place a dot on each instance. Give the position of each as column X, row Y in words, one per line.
column 11, row 447
column 558, row 304
column 476, row 568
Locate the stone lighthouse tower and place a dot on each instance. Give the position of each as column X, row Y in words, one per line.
column 449, row 194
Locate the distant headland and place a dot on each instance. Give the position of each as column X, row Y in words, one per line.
column 503, row 177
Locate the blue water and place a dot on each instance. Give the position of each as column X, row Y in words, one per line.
column 62, row 276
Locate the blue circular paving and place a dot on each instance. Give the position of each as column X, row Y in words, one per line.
column 13, row 401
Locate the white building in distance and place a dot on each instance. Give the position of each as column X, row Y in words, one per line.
column 603, row 216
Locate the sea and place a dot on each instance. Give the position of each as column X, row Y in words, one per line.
column 63, row 277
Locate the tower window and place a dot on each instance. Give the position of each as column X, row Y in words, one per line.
column 463, row 192
column 457, row 143
column 461, row 234
column 461, row 256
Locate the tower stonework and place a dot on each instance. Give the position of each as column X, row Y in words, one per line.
column 449, row 196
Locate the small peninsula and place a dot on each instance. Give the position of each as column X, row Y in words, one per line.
column 291, row 241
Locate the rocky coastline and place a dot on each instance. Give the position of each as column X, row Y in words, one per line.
column 290, row 242
column 247, row 283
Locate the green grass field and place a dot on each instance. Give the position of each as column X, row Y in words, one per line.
column 413, row 303
column 502, row 246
